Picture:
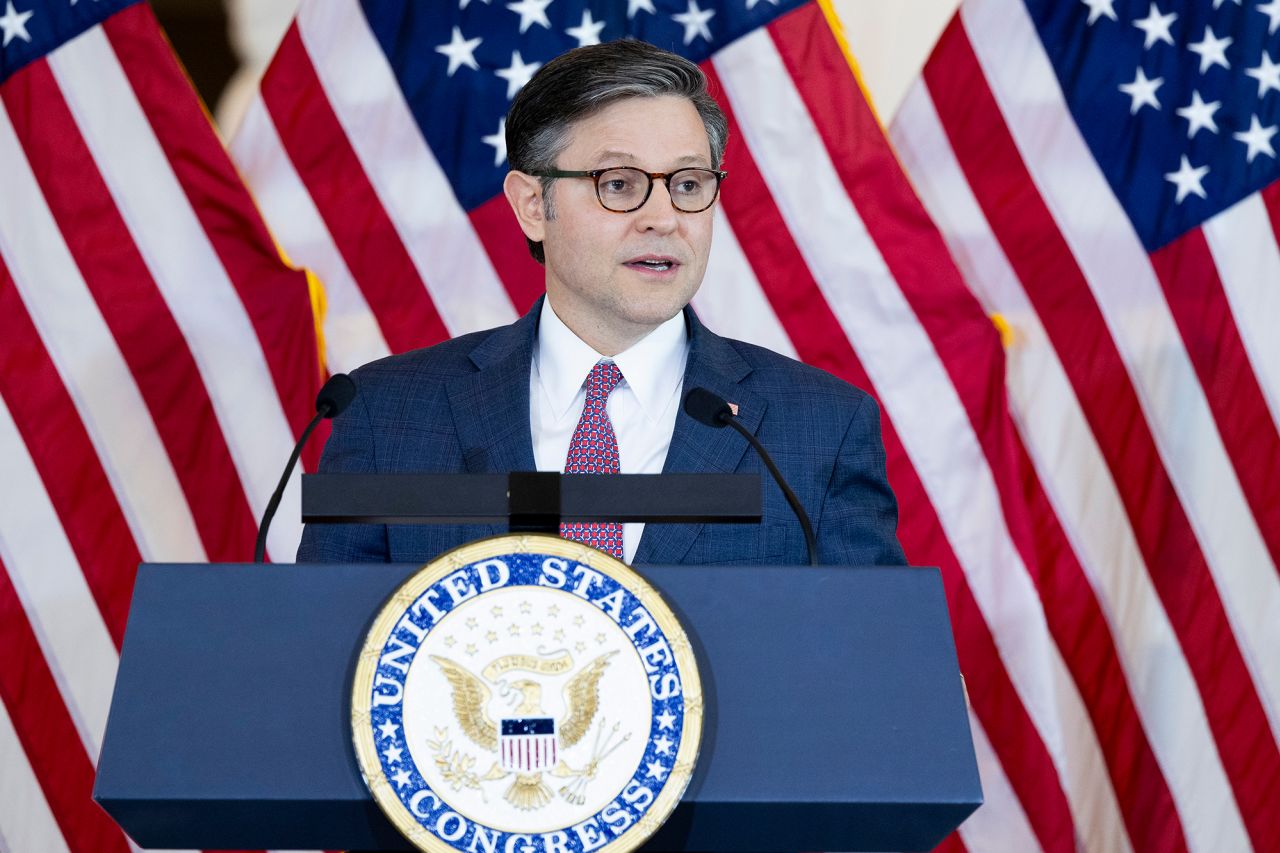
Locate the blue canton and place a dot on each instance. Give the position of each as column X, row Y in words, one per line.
column 31, row 29
column 459, row 67
column 1178, row 101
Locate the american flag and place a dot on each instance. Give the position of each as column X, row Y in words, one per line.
column 1104, row 172
column 156, row 360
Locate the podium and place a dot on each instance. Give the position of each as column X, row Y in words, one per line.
column 835, row 716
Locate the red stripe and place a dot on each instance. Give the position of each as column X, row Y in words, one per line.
column 499, row 232
column 820, row 341
column 361, row 229
column 47, row 733
column 970, row 351
column 1199, row 305
column 1057, row 289
column 134, row 310
column 275, row 297
column 951, row 844
column 65, row 459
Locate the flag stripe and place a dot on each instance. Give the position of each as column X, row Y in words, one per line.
column 1060, row 295
column 1000, row 823
column 364, row 234
column 1271, row 201
column 438, row 236
column 352, row 335
column 43, row 571
column 1123, row 286
column 1192, row 284
column 1078, row 484
column 818, row 339
column 46, row 733
column 504, row 242
column 731, row 298
column 139, row 320
column 91, row 367
column 25, row 820
column 284, row 328
column 186, row 270
column 908, row 377
column 47, row 425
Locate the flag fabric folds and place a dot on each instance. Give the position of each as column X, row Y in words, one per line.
column 1105, row 175
column 156, row 359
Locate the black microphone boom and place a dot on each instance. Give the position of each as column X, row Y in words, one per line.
column 333, row 398
column 708, row 408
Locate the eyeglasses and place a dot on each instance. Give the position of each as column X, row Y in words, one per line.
column 622, row 189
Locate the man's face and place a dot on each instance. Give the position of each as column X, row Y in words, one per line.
column 614, row 277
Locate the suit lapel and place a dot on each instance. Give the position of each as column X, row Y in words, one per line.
column 715, row 365
column 491, row 406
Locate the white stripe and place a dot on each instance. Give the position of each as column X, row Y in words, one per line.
column 1244, row 249
column 351, row 332
column 53, row 591
column 1000, row 822
column 1123, row 282
column 91, row 366
column 919, row 397
column 409, row 182
column 731, row 301
column 187, row 271
column 1079, row 486
column 26, row 823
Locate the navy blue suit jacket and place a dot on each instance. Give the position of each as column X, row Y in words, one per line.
column 463, row 406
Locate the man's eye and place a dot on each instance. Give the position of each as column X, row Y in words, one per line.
column 617, row 186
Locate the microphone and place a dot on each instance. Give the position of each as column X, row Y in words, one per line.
column 333, row 398
column 707, row 408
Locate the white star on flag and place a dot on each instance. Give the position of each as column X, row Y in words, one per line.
column 1199, row 115
column 517, row 73
column 1211, row 49
column 694, row 21
column 1272, row 11
column 588, row 32
column 1267, row 74
column 1142, row 91
column 751, row 4
column 1098, row 8
column 634, row 6
column 14, row 24
column 460, row 51
column 1187, row 179
column 531, row 12
column 1258, row 138
column 1218, row 3
column 1155, row 27
column 498, row 141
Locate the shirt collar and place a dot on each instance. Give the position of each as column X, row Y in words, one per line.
column 653, row 367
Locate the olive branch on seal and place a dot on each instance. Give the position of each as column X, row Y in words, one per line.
column 456, row 767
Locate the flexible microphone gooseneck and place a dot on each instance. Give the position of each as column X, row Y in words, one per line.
column 707, row 408
column 333, row 398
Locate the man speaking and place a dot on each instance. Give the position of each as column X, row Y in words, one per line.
column 615, row 152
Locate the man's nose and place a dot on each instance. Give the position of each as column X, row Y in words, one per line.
column 658, row 213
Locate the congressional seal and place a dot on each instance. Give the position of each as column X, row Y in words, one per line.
column 526, row 694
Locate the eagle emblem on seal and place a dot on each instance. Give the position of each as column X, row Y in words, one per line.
column 526, row 739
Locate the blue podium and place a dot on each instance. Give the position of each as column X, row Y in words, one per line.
column 835, row 716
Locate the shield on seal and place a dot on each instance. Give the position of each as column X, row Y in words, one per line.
column 528, row 743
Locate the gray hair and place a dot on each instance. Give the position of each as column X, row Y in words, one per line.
column 583, row 81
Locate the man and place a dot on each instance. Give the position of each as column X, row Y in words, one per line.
column 614, row 152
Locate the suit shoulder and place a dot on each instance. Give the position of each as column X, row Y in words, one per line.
column 783, row 377
column 438, row 362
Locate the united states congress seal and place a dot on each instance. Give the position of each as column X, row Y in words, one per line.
column 526, row 694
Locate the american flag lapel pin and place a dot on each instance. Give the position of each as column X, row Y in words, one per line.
column 733, row 407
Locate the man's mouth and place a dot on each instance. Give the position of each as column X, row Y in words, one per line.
column 652, row 263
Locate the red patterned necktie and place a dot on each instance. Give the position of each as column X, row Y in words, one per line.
column 594, row 450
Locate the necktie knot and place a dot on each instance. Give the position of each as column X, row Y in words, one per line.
column 603, row 378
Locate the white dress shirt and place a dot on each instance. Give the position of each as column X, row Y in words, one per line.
column 642, row 408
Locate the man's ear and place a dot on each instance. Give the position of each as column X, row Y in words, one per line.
column 524, row 194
